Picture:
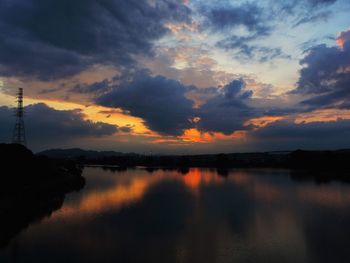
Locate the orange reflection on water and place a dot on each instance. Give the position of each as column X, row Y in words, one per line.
column 197, row 177
column 268, row 193
column 127, row 188
column 325, row 196
column 240, row 178
column 120, row 195
column 255, row 187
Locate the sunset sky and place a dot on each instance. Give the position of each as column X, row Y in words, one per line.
column 177, row 76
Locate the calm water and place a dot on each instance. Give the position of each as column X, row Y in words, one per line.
column 191, row 216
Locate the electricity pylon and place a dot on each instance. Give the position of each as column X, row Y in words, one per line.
column 19, row 136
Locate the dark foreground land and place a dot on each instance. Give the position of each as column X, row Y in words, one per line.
column 32, row 188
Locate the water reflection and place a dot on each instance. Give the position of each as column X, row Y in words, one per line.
column 193, row 215
column 20, row 210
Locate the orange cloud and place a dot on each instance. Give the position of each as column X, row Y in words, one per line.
column 343, row 37
column 96, row 113
column 194, row 136
column 262, row 122
column 237, row 135
column 325, row 115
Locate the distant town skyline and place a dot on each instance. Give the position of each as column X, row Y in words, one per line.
column 177, row 76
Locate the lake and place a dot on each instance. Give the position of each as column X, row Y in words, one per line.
column 191, row 215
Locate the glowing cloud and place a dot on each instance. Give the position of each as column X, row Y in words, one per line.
column 343, row 37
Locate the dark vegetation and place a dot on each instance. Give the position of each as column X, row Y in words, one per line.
column 315, row 160
column 22, row 170
column 319, row 165
column 31, row 188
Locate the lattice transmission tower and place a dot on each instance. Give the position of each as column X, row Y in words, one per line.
column 19, row 136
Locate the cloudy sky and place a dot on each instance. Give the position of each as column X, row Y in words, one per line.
column 177, row 76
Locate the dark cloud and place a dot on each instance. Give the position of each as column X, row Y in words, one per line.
column 316, row 135
column 321, row 2
column 126, row 129
column 227, row 111
column 45, row 124
column 306, row 12
column 234, row 42
column 326, row 76
column 247, row 51
column 259, row 19
column 258, row 24
column 303, row 8
column 159, row 101
column 250, row 16
column 164, row 105
column 48, row 91
column 313, row 18
column 308, row 45
column 55, row 38
column 96, row 87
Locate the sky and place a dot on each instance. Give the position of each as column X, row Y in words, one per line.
column 177, row 76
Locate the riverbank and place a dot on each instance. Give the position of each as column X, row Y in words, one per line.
column 23, row 171
column 32, row 188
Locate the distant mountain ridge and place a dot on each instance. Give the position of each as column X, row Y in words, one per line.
column 306, row 160
column 77, row 152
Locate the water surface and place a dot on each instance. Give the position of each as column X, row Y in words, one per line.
column 196, row 215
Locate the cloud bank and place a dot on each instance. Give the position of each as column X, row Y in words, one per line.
column 326, row 76
column 45, row 124
column 50, row 39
